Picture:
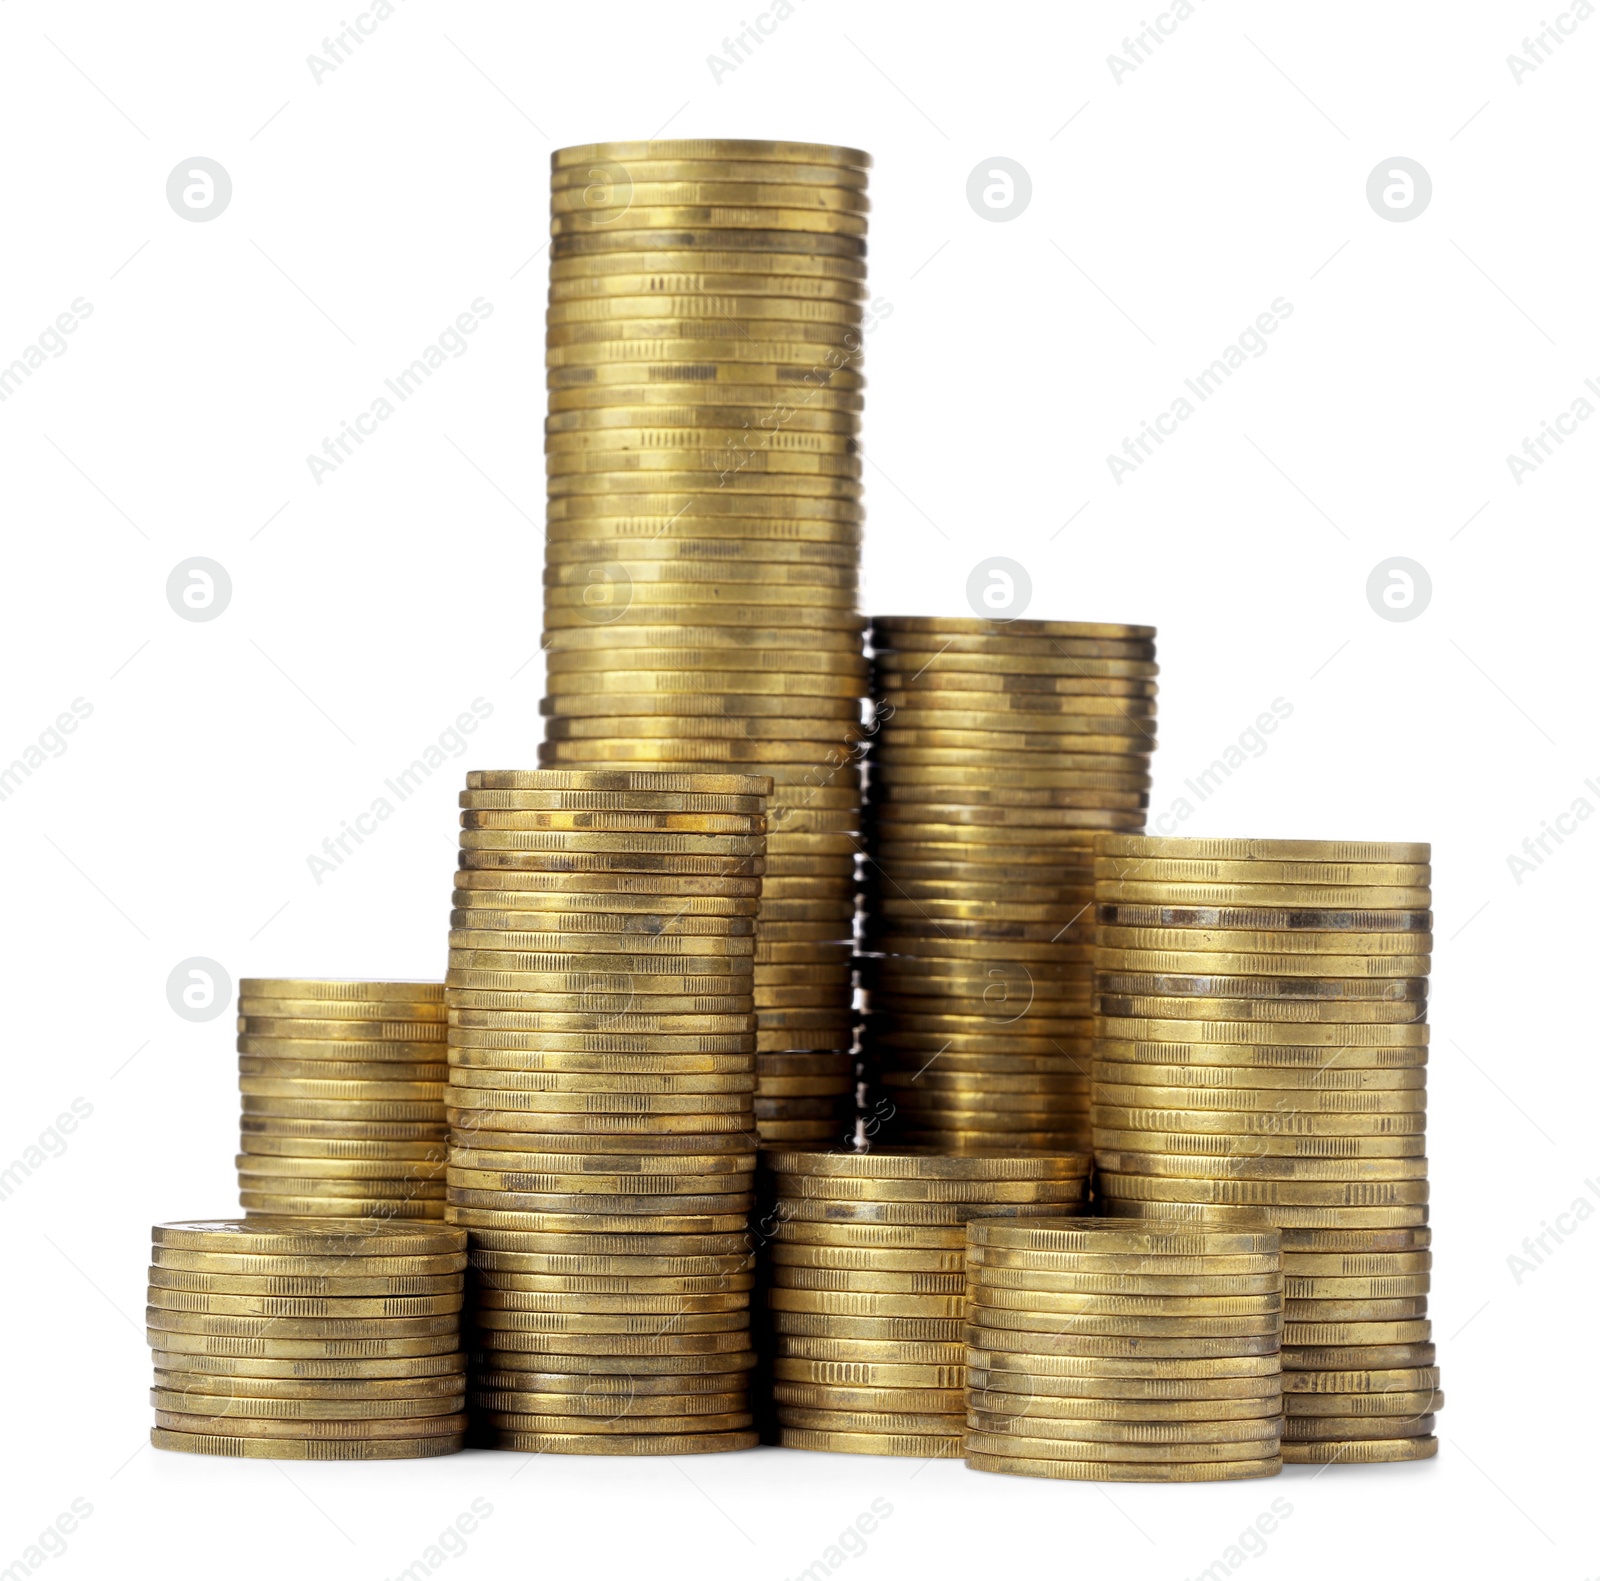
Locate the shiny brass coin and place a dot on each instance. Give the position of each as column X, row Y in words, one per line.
column 526, row 1182
column 1277, row 1100
column 594, row 887
column 1307, row 1059
column 822, row 1397
column 1249, row 1451
column 693, row 284
column 252, row 1106
column 306, row 1449
column 1332, row 990
column 1289, row 942
column 1107, row 1430
column 1321, row 924
column 1368, row 1381
column 412, row 1034
column 694, row 1227
column 526, row 1312
column 825, row 155
column 396, row 1372
column 515, row 1042
column 630, row 1372
column 919, row 1446
column 1406, row 1331
column 662, row 1145
column 1387, row 1404
column 679, row 749
column 545, row 1081
column 611, row 1393
column 833, row 1334
column 691, row 1443
column 1262, row 1011
column 595, row 1409
column 166, row 1342
column 866, row 1303
column 335, row 1269
column 194, row 1401
column 676, row 782
column 1122, row 966
column 266, row 1237
column 327, row 1396
column 990, row 1318
column 909, row 630
column 1251, row 872
column 1145, row 1373
column 330, row 1171
column 463, row 1055
column 527, row 1011
column 1356, row 1429
column 1127, row 1397
column 420, row 1203
column 868, row 1374
column 602, row 200
column 716, row 216
column 1126, row 1265
column 1344, row 1038
column 309, row 1087
column 637, row 1166
column 1153, row 847
column 575, row 799
column 906, row 1164
column 1312, row 1266
column 327, row 1428
column 1285, row 1121
column 715, row 823
column 1365, row 1452
column 539, row 908
column 652, row 843
column 579, row 989
column 1222, row 1236
column 1256, row 1167
column 333, row 990
column 1324, row 1309
column 1220, row 1079
column 343, row 1010
column 1005, row 1276
column 621, row 1345
column 345, row 1070
column 633, row 1428
column 1100, row 1471
column 794, row 1278
column 341, row 1050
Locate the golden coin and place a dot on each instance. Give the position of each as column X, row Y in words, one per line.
column 197, row 1402
column 1186, row 872
column 1322, row 926
column 1228, row 850
column 1269, row 1011
column 1288, row 943
column 1388, row 1404
column 1156, row 1286
column 332, row 990
column 348, row 1239
column 1278, row 1100
column 1252, row 1166
column 334, row 1268
column 598, row 887
column 1365, row 1452
column 1319, row 989
column 1324, row 1429
column 1346, row 1038
column 1250, row 1451
column 1129, row 1398
column 695, row 1227
column 309, row 1428
column 1282, row 1121
column 821, row 154
column 307, row 1448
column 1101, row 1471
column 249, row 1369
column 678, row 1371
column 256, row 1350
column 691, row 1443
column 1144, row 1373
column 1107, row 1429
column 920, row 1446
column 616, row 822
column 1220, row 1079
column 631, row 1346
column 1222, row 1237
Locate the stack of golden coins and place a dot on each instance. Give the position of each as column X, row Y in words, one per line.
column 307, row 1339
column 1263, row 1042
column 1103, row 1352
column 1002, row 747
column 866, row 1289
column 602, row 1147
column 707, row 310
column 342, row 1087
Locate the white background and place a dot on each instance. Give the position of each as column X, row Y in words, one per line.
column 370, row 610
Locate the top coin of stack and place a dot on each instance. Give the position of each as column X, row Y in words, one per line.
column 342, row 1088
column 1105, row 1352
column 1002, row 748
column 707, row 306
column 307, row 1339
column 1263, row 1044
column 867, row 1292
column 602, row 1061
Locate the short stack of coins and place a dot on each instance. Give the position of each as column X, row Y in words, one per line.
column 602, row 1064
column 1001, row 749
column 342, row 1089
column 707, row 311
column 1102, row 1351
column 308, row 1339
column 1263, row 1043
column 866, row 1287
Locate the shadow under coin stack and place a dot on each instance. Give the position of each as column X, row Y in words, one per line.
column 1002, row 748
column 342, row 1088
column 1102, row 1352
column 320, row 1339
column 866, row 1290
column 602, row 1148
column 1263, row 1043
column 704, row 525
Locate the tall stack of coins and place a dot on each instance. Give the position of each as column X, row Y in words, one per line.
column 1263, row 1043
column 867, row 1292
column 1101, row 1352
column 707, row 309
column 342, row 1088
column 602, row 1147
column 307, row 1339
column 1002, row 748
